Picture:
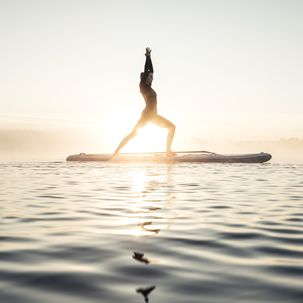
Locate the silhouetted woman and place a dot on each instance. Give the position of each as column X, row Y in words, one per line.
column 149, row 114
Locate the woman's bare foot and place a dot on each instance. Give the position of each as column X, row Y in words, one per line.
column 170, row 154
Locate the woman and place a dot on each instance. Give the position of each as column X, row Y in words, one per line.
column 149, row 113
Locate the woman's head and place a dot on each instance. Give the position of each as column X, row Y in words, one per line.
column 149, row 78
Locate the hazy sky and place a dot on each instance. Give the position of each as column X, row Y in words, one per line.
column 223, row 69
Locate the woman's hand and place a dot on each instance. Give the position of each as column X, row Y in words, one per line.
column 148, row 51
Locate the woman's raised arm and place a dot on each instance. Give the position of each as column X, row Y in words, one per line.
column 148, row 67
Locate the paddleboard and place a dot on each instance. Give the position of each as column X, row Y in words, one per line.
column 179, row 157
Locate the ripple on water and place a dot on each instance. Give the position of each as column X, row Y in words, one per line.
column 93, row 232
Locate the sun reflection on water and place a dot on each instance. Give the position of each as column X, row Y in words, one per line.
column 148, row 209
column 138, row 180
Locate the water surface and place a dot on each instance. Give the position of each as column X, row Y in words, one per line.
column 93, row 232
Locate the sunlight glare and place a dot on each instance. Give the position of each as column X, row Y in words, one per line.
column 149, row 139
column 139, row 181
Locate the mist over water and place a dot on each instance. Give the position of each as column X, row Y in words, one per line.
column 32, row 145
column 93, row 232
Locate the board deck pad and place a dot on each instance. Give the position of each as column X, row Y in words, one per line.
column 179, row 157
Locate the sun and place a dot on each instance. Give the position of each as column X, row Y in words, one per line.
column 150, row 138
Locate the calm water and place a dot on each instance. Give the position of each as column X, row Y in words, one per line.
column 96, row 232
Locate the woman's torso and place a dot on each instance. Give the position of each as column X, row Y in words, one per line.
column 150, row 97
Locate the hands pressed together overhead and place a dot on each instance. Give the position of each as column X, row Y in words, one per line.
column 148, row 51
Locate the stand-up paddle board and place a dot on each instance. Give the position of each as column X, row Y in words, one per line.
column 178, row 157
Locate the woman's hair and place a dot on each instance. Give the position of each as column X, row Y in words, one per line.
column 143, row 76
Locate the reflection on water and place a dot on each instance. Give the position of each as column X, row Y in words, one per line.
column 145, row 224
column 149, row 205
column 145, row 292
column 92, row 232
column 140, row 257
